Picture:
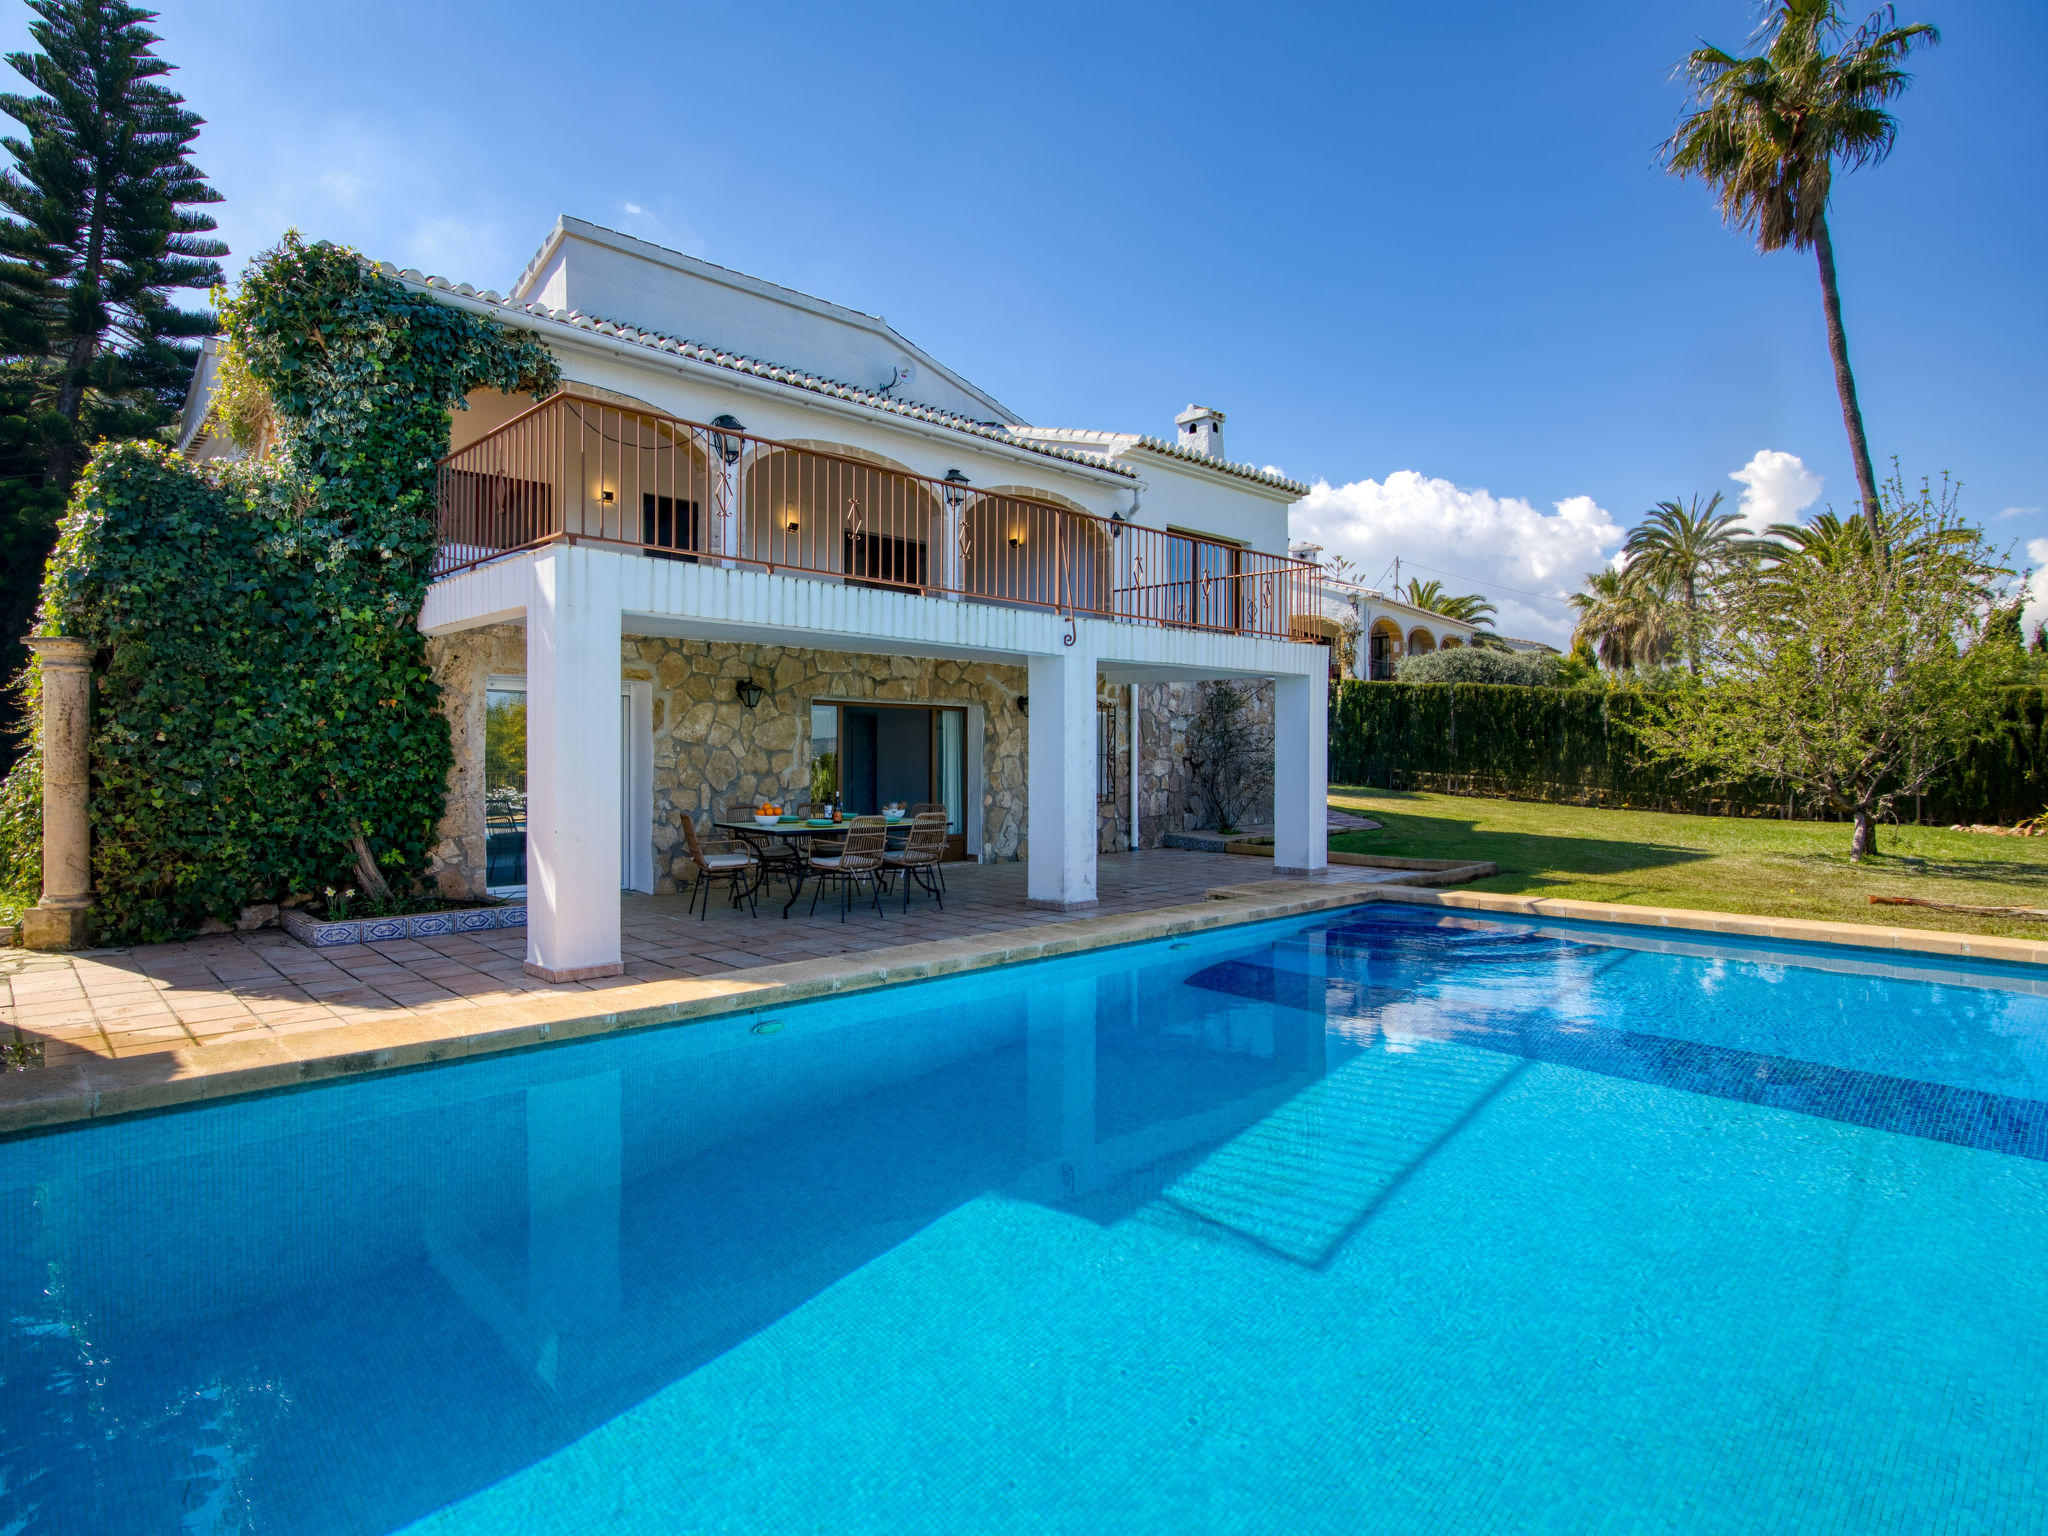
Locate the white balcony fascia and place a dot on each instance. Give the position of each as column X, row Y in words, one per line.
column 754, row 607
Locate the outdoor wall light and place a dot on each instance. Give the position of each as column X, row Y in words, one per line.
column 1024, row 705
column 956, row 491
column 1016, row 541
column 724, row 443
column 605, row 497
column 748, row 692
column 790, row 525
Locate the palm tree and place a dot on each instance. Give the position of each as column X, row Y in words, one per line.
column 1766, row 133
column 1623, row 616
column 1470, row 608
column 1680, row 546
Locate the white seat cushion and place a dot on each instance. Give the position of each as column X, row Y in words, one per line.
column 724, row 861
column 823, row 862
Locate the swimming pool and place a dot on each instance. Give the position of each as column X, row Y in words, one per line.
column 1380, row 1222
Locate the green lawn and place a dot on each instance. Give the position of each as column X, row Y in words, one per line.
column 1721, row 863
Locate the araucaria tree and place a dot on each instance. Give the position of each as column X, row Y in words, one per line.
column 1767, row 131
column 101, row 227
column 1849, row 680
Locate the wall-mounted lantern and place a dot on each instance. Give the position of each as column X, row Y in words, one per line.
column 748, row 692
column 1024, row 705
column 955, row 490
column 726, row 443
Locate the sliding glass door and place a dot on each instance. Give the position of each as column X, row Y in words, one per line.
column 872, row 755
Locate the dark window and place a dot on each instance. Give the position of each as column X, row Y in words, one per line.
column 669, row 526
column 875, row 559
column 1105, row 751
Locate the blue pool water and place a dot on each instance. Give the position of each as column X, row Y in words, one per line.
column 1379, row 1223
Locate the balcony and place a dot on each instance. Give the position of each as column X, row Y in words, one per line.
column 578, row 470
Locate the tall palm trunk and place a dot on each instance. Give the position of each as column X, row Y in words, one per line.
column 1845, row 382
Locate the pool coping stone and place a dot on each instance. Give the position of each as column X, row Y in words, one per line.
column 1923, row 941
column 92, row 1088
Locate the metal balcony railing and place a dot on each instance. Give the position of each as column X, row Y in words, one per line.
column 580, row 470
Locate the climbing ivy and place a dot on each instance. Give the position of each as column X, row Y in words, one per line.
column 262, row 693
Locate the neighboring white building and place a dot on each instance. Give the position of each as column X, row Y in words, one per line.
column 1383, row 628
column 758, row 537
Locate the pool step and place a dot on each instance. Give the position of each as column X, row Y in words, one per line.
column 1300, row 1180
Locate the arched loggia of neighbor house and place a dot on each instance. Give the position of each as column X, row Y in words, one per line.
column 1323, row 631
column 835, row 510
column 1023, row 550
column 1420, row 641
column 1451, row 643
column 1383, row 650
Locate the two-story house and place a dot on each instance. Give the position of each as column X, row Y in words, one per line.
column 760, row 547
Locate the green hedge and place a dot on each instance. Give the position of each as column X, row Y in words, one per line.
column 1579, row 745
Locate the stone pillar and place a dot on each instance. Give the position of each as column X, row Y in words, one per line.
column 573, row 766
column 1301, row 774
column 1059, row 766
column 61, row 919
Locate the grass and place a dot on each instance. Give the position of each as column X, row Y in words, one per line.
column 1719, row 863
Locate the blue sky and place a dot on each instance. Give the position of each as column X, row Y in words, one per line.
column 1421, row 253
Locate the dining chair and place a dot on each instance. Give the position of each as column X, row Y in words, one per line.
column 918, row 859
column 857, row 861
column 721, row 858
column 775, row 855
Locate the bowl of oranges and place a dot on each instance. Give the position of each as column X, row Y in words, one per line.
column 768, row 815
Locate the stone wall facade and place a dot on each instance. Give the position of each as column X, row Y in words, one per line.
column 712, row 752
column 1167, row 799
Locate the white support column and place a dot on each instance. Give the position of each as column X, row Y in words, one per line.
column 1059, row 766
column 949, row 567
column 1137, row 764
column 573, row 767
column 1301, row 774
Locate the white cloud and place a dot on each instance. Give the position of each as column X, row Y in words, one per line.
column 1492, row 543
column 1776, row 488
column 2036, row 611
column 634, row 208
column 2018, row 512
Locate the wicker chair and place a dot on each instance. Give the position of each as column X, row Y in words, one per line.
column 721, row 858
column 775, row 855
column 918, row 860
column 930, row 808
column 858, row 860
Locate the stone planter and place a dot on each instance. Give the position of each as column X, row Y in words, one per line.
column 420, row 925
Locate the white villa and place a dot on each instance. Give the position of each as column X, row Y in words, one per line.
column 759, row 543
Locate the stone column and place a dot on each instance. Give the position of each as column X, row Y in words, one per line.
column 61, row 919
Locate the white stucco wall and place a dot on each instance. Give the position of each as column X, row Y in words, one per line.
column 603, row 273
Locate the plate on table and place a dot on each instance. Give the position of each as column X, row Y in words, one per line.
column 820, row 821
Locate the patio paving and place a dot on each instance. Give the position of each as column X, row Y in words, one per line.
column 234, row 989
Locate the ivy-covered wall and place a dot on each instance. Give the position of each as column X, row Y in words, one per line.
column 262, row 694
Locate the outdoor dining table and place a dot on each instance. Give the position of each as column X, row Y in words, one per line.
column 795, row 830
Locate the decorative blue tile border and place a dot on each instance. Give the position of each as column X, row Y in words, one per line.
column 424, row 925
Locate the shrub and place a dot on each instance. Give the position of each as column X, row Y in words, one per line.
column 1476, row 664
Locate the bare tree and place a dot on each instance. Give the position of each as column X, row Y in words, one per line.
column 1229, row 753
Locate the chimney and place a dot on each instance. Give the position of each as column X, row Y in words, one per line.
column 1201, row 430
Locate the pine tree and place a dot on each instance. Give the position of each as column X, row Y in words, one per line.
column 99, row 228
